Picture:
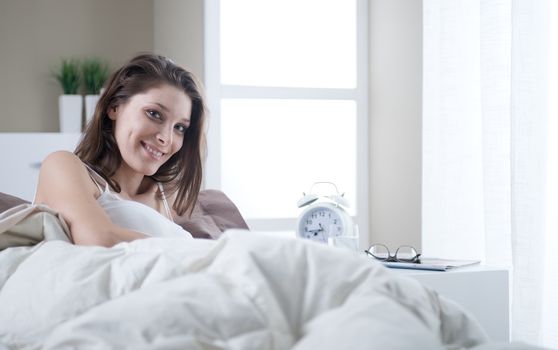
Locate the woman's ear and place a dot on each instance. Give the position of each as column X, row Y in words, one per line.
column 112, row 112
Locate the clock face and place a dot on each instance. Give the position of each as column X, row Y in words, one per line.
column 319, row 223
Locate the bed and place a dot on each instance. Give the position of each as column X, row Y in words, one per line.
column 229, row 289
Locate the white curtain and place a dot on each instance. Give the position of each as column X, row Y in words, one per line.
column 489, row 155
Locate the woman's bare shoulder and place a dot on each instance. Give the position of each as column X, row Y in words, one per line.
column 61, row 158
column 63, row 169
column 63, row 165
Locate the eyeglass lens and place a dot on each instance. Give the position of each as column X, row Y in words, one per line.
column 406, row 253
column 379, row 251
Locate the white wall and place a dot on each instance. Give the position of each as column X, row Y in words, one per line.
column 36, row 35
column 395, row 109
column 179, row 32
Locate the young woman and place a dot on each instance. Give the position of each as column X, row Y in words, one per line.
column 139, row 161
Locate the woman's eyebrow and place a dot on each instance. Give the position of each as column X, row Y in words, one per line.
column 163, row 107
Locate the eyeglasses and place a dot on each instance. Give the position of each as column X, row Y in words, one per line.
column 405, row 253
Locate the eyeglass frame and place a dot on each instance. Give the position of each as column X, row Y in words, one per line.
column 393, row 258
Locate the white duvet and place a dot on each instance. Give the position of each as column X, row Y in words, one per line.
column 243, row 291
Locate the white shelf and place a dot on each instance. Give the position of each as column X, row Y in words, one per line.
column 22, row 154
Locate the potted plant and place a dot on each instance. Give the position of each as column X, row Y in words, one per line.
column 70, row 104
column 95, row 73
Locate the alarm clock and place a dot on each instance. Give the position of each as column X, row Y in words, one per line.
column 324, row 217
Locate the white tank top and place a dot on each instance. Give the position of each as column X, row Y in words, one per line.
column 136, row 216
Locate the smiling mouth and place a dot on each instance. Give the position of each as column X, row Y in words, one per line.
column 152, row 151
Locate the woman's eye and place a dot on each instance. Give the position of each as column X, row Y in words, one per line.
column 181, row 128
column 153, row 114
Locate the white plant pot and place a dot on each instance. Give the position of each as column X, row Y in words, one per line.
column 90, row 104
column 70, row 108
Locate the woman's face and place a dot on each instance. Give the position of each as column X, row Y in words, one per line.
column 149, row 128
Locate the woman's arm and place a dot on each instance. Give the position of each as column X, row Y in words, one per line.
column 65, row 186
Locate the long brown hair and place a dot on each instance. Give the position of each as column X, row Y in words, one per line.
column 182, row 173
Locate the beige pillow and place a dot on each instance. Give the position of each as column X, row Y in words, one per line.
column 214, row 213
column 26, row 225
column 7, row 201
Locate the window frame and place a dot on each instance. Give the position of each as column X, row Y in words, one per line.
column 215, row 91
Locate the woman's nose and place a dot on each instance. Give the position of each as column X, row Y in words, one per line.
column 164, row 136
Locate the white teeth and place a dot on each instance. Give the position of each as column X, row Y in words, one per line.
column 153, row 152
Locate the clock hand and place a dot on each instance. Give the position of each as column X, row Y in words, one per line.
column 316, row 231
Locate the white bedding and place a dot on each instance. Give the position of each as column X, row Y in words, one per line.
column 244, row 291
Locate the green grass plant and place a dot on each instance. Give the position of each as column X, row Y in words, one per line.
column 95, row 73
column 68, row 76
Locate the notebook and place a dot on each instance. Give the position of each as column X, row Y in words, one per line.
column 431, row 264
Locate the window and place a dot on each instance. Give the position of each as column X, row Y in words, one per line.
column 286, row 85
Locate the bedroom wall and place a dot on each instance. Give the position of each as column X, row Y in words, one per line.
column 178, row 32
column 35, row 35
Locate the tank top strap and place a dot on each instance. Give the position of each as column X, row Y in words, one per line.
column 97, row 179
column 165, row 202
